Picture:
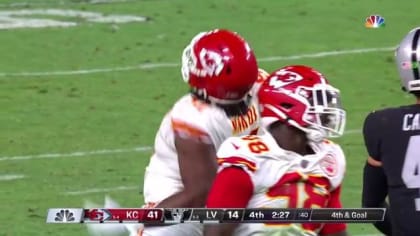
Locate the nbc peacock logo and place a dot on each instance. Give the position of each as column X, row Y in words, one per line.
column 64, row 216
column 375, row 21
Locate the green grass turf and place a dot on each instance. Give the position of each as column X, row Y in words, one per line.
column 122, row 109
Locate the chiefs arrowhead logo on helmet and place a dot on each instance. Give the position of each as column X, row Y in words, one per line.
column 284, row 77
column 211, row 62
column 220, row 65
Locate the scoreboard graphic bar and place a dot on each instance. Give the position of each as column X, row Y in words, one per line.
column 211, row 215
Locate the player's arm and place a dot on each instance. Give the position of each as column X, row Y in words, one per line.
column 375, row 187
column 197, row 164
column 334, row 229
column 232, row 188
column 374, row 192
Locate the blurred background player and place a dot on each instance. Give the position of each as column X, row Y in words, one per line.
column 290, row 166
column 392, row 139
column 220, row 68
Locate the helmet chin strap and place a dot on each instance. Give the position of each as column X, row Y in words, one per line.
column 314, row 135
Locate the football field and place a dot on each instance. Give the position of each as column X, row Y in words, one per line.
column 85, row 84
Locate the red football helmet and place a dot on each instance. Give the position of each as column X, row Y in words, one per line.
column 220, row 66
column 301, row 96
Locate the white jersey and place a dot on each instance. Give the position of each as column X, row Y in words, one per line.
column 273, row 169
column 195, row 118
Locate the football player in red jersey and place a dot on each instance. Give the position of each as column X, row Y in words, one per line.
column 292, row 165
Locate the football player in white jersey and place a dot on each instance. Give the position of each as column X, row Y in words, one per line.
column 292, row 165
column 221, row 69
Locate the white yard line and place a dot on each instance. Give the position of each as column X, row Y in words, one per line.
column 96, row 152
column 327, row 54
column 75, row 154
column 102, row 190
column 171, row 64
column 90, row 71
column 9, row 177
column 353, row 131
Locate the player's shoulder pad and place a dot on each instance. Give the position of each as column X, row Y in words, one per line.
column 234, row 152
column 188, row 118
column 373, row 114
column 376, row 115
column 340, row 159
column 334, row 147
column 338, row 150
column 188, row 105
column 192, row 110
column 262, row 76
column 375, row 119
